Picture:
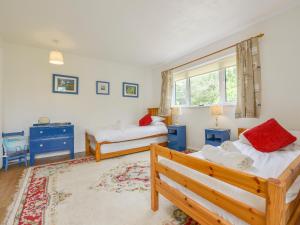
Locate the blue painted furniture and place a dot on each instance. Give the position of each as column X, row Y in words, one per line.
column 51, row 138
column 15, row 147
column 216, row 137
column 177, row 137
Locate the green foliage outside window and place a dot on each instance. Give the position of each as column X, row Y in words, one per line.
column 204, row 89
column 180, row 92
column 231, row 84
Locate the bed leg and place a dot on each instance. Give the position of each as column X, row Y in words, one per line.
column 154, row 175
column 97, row 152
column 276, row 202
column 87, row 144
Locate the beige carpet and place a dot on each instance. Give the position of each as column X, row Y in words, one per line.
column 83, row 192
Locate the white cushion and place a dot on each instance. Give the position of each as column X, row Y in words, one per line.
column 157, row 119
column 243, row 139
column 296, row 133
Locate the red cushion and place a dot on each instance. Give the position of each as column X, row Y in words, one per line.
column 145, row 121
column 269, row 136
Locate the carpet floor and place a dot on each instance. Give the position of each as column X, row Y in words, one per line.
column 82, row 192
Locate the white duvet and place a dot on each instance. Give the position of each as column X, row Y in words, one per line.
column 265, row 165
column 128, row 133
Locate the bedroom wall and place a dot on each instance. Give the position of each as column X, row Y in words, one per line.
column 28, row 91
column 280, row 49
column 1, row 87
column 1, row 90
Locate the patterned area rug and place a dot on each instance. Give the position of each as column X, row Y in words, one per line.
column 114, row 191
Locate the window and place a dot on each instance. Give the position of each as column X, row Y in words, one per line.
column 214, row 83
column 180, row 92
column 205, row 89
column 231, row 84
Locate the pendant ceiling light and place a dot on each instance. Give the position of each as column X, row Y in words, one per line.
column 56, row 57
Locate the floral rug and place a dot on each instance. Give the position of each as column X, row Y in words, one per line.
column 114, row 192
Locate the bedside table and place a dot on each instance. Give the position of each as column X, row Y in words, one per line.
column 177, row 137
column 216, row 136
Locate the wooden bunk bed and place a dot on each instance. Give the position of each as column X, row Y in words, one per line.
column 89, row 138
column 273, row 190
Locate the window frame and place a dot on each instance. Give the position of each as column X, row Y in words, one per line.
column 222, row 90
column 174, row 92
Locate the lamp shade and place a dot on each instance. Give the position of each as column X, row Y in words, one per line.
column 176, row 111
column 56, row 57
column 216, row 110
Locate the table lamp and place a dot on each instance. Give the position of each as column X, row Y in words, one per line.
column 176, row 112
column 216, row 110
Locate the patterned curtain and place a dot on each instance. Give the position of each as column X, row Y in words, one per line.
column 249, row 79
column 166, row 93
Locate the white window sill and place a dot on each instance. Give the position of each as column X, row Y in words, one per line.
column 203, row 106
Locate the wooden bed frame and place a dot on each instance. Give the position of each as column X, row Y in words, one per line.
column 100, row 156
column 273, row 190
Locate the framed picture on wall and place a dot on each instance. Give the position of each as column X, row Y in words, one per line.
column 102, row 88
column 130, row 90
column 65, row 84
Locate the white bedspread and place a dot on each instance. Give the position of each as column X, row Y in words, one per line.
column 128, row 133
column 266, row 165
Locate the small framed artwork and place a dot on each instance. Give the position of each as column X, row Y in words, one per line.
column 65, row 84
column 102, row 88
column 130, row 90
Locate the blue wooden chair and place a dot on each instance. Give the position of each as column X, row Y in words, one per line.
column 15, row 147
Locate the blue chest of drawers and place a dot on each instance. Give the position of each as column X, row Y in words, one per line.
column 177, row 137
column 51, row 138
column 216, row 137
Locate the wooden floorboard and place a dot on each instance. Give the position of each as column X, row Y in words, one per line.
column 9, row 180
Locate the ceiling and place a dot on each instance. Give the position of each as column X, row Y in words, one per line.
column 139, row 32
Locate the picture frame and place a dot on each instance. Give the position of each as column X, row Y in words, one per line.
column 102, row 87
column 65, row 84
column 130, row 90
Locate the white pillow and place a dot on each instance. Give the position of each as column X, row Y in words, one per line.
column 296, row 133
column 158, row 124
column 157, row 119
column 243, row 139
column 296, row 144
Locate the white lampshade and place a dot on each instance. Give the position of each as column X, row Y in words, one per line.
column 56, row 57
column 176, row 111
column 216, row 110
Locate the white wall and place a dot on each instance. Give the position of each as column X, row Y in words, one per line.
column 1, row 91
column 280, row 60
column 28, row 91
column 1, row 87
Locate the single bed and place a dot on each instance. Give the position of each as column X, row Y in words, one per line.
column 108, row 143
column 213, row 194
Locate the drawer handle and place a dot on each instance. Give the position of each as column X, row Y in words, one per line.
column 64, row 130
column 65, row 142
column 41, row 145
column 41, row 132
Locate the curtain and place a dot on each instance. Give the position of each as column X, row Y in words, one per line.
column 166, row 93
column 248, row 79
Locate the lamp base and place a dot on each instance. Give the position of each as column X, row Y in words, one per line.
column 217, row 122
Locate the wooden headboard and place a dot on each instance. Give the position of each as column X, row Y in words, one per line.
column 241, row 130
column 154, row 112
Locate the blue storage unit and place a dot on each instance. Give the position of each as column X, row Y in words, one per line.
column 51, row 138
column 177, row 137
column 216, row 137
